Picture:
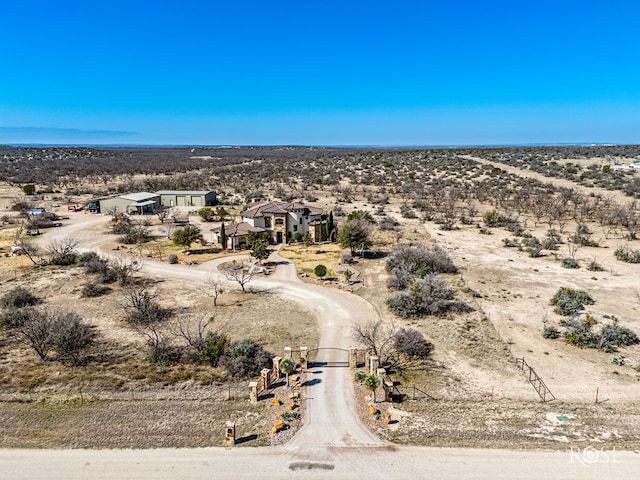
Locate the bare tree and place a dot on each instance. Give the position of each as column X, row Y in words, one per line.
column 163, row 213
column 36, row 331
column 192, row 329
column 125, row 267
column 214, row 289
column 448, row 210
column 47, row 330
column 169, row 228
column 72, row 338
column 63, row 252
column 141, row 305
column 62, row 247
column 30, row 250
column 159, row 340
column 378, row 337
column 242, row 274
column 629, row 218
column 572, row 247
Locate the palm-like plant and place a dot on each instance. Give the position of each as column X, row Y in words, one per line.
column 287, row 366
column 347, row 275
column 372, row 382
column 360, row 376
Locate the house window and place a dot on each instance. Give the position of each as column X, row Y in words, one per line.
column 267, row 222
column 279, row 221
column 300, row 221
column 295, row 228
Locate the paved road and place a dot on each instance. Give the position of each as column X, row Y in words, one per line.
column 333, row 443
column 336, row 463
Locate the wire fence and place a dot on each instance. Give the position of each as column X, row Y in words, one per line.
column 213, row 393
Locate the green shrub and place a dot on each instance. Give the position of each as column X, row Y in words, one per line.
column 64, row 260
column 18, row 297
column 320, row 271
column 617, row 360
column 594, row 267
column 491, row 218
column 511, row 242
column 207, row 214
column 215, row 345
column 407, row 262
column 427, row 296
column 411, row 343
column 185, row 236
column 407, row 212
column 109, row 275
column 245, row 358
column 569, row 301
column 93, row 263
column 627, row 255
column 532, row 246
column 14, row 317
column 614, row 335
column 608, row 338
column 289, row 416
column 582, row 236
column 162, row 353
column 551, row 332
column 93, row 289
column 360, row 376
column 85, row 258
column 570, row 263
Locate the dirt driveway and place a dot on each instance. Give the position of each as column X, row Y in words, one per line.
column 332, row 418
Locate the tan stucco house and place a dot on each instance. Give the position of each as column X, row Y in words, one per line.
column 282, row 219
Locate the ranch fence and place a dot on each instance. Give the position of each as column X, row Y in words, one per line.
column 536, row 381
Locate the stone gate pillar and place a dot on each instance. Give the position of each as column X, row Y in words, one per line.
column 374, row 363
column 253, row 392
column 387, row 385
column 276, row 365
column 304, row 357
column 264, row 373
column 229, row 434
column 353, row 357
column 287, row 352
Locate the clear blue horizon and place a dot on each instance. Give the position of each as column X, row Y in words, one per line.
column 331, row 73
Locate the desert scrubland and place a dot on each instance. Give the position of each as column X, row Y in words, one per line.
column 544, row 241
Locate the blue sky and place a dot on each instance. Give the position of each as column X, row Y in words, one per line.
column 320, row 73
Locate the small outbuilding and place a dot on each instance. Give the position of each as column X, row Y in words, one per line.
column 141, row 203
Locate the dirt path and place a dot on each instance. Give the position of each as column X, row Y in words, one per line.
column 615, row 195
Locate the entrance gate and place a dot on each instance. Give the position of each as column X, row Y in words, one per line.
column 329, row 357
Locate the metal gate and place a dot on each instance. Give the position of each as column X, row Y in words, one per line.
column 329, row 357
